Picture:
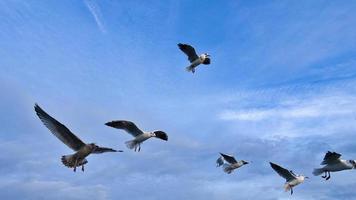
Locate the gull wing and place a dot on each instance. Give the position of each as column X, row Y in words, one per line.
column 59, row 130
column 219, row 161
column 228, row 158
column 161, row 135
column 128, row 126
column 331, row 158
column 104, row 150
column 288, row 175
column 189, row 51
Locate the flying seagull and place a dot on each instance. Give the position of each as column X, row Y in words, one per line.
column 292, row 179
column 333, row 163
column 193, row 58
column 229, row 163
column 81, row 149
column 139, row 135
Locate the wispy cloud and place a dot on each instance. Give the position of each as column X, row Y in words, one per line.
column 95, row 11
column 303, row 108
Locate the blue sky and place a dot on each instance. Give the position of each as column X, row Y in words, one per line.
column 281, row 88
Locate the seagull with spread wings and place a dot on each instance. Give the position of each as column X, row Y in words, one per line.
column 292, row 179
column 229, row 163
column 140, row 136
column 333, row 163
column 193, row 58
column 82, row 150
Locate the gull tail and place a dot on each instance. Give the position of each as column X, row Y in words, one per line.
column 131, row 144
column 318, row 171
column 69, row 161
column 287, row 187
column 190, row 68
column 227, row 169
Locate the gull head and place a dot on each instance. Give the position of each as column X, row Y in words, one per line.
column 353, row 162
column 244, row 162
column 92, row 146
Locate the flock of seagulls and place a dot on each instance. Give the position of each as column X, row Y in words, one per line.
column 331, row 161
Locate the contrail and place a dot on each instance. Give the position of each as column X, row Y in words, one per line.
column 95, row 11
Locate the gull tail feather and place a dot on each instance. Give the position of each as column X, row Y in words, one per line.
column 69, row 161
column 227, row 169
column 287, row 187
column 190, row 68
column 318, row 171
column 131, row 144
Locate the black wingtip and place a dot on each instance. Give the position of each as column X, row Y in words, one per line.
column 38, row 109
column 36, row 106
column 111, row 124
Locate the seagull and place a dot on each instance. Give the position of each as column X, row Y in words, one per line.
column 193, row 58
column 82, row 150
column 292, row 179
column 139, row 135
column 333, row 163
column 229, row 163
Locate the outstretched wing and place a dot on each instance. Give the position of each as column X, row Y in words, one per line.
column 128, row 126
column 219, row 161
column 228, row 158
column 161, row 135
column 189, row 51
column 288, row 175
column 59, row 130
column 331, row 158
column 104, row 150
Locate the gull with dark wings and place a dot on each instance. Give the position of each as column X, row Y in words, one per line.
column 193, row 58
column 333, row 163
column 140, row 136
column 292, row 179
column 82, row 150
column 229, row 163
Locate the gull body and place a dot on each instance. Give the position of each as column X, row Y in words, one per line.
column 229, row 163
column 139, row 135
column 333, row 163
column 292, row 179
column 193, row 58
column 81, row 149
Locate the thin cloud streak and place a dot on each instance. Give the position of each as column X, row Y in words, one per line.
column 95, row 11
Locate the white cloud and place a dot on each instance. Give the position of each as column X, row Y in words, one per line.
column 312, row 107
column 39, row 189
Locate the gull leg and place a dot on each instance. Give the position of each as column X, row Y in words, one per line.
column 139, row 147
column 83, row 168
column 291, row 190
column 327, row 178
column 193, row 70
column 75, row 165
column 135, row 147
column 324, row 175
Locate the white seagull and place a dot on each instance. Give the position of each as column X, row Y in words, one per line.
column 193, row 58
column 333, row 163
column 292, row 179
column 139, row 135
column 81, row 149
column 229, row 163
